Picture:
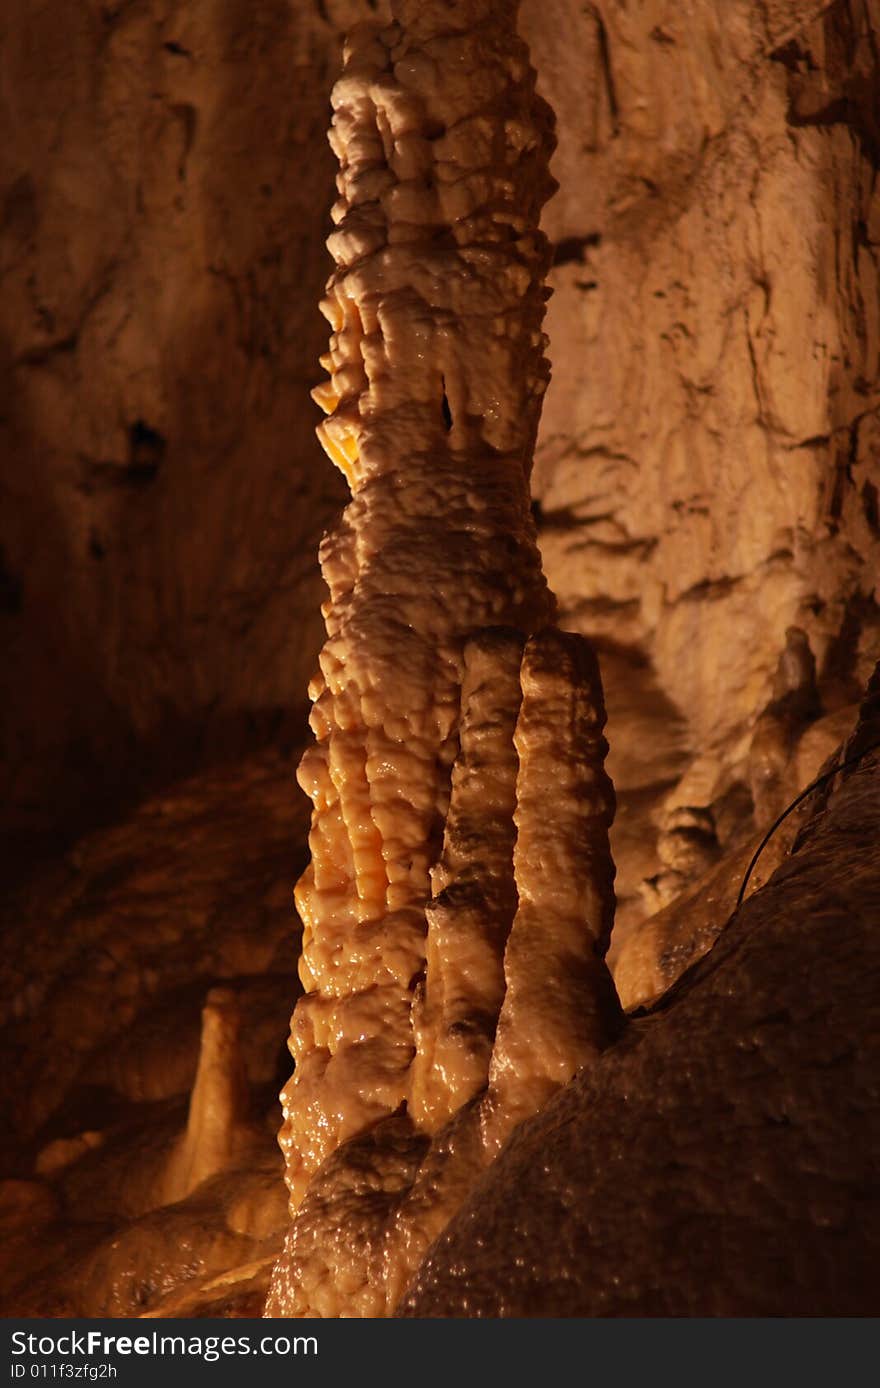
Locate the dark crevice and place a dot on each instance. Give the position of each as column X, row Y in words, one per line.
column 709, row 589
column 851, row 111
column 573, row 249
column 177, row 49
column 146, row 453
column 39, row 356
column 836, row 84
column 569, row 518
column 19, row 216
column 843, row 476
column 188, row 117
column 841, row 662
column 447, row 412
column 836, row 112
column 11, row 589
column 793, row 57
column 605, row 61
column 814, row 441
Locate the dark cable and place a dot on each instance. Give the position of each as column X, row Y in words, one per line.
column 819, row 781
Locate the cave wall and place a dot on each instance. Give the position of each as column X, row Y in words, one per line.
column 707, row 469
column 706, row 465
column 165, row 190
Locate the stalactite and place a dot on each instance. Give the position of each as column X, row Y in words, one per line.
column 461, row 879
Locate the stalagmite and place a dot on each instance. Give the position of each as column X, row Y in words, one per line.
column 218, row 1103
column 559, row 1004
column 460, row 878
column 474, row 893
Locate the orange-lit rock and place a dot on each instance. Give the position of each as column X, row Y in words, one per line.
column 138, row 1137
column 723, row 1158
column 445, row 896
column 705, row 479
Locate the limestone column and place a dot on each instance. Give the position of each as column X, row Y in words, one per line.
column 424, row 715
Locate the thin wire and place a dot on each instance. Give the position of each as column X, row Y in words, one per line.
column 819, row 781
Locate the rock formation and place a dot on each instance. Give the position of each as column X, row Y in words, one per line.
column 726, row 1109
column 454, row 920
column 705, row 495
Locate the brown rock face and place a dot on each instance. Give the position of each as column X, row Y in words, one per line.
column 142, row 1020
column 162, row 252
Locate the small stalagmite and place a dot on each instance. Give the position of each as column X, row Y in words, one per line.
column 218, row 1106
column 458, row 903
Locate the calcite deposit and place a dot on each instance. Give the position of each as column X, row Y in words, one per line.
column 724, row 1158
column 454, row 922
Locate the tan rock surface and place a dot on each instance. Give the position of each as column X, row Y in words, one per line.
column 711, row 425
column 707, row 464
